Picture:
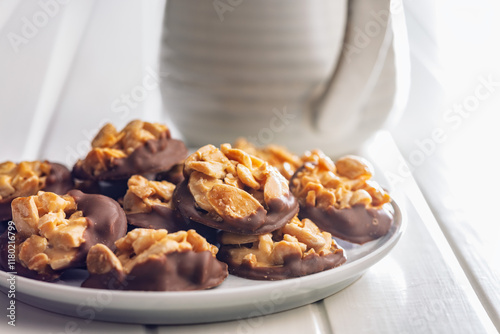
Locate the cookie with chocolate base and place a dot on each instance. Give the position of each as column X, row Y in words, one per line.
column 28, row 178
column 342, row 199
column 141, row 148
column 55, row 233
column 155, row 260
column 148, row 204
column 297, row 249
column 233, row 191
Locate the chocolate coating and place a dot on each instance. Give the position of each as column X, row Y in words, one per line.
column 177, row 271
column 106, row 222
column 357, row 224
column 294, row 265
column 58, row 181
column 5, row 210
column 88, row 187
column 281, row 211
column 154, row 155
column 115, row 189
column 159, row 217
column 174, row 175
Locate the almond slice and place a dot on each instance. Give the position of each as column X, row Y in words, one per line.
column 101, row 260
column 232, row 202
column 246, row 177
column 276, row 186
column 210, row 168
column 199, row 185
column 354, row 167
column 236, row 154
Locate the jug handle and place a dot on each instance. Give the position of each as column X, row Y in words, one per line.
column 368, row 37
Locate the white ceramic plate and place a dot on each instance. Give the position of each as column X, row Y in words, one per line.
column 235, row 298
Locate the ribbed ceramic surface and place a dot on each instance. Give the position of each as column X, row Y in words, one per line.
column 222, row 79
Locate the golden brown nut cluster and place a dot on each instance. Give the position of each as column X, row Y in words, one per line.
column 142, row 194
column 22, row 179
column 109, row 144
column 141, row 245
column 230, row 183
column 278, row 156
column 52, row 230
column 323, row 184
column 298, row 237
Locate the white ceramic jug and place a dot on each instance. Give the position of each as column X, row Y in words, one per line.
column 305, row 74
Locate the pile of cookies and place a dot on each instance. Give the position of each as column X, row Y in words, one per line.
column 140, row 214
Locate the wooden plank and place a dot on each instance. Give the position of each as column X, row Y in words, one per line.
column 458, row 179
column 413, row 290
column 306, row 319
column 29, row 319
column 420, row 286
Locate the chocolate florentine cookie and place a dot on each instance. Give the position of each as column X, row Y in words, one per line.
column 140, row 148
column 55, row 232
column 148, row 204
column 231, row 190
column 155, row 260
column 341, row 199
column 27, row 178
column 297, row 249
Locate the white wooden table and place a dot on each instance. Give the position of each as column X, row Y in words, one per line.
column 419, row 287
